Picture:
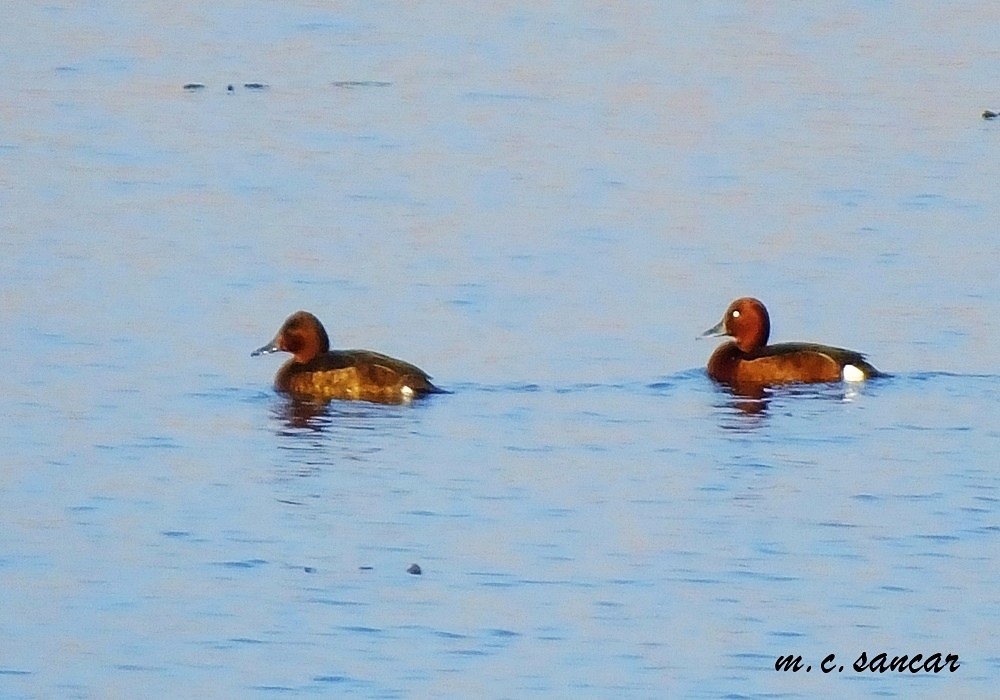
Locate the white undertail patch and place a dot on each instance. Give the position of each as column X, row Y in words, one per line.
column 406, row 391
column 853, row 374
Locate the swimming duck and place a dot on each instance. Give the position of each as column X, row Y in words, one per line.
column 316, row 371
column 748, row 359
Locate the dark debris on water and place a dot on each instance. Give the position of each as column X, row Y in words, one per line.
column 229, row 87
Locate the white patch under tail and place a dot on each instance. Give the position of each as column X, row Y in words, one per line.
column 852, row 374
column 407, row 392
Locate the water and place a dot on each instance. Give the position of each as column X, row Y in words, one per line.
column 542, row 206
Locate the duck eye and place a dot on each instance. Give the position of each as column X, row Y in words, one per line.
column 736, row 313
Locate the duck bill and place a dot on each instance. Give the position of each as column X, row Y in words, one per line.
column 716, row 330
column 266, row 349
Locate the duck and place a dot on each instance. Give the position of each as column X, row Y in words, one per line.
column 315, row 371
column 749, row 360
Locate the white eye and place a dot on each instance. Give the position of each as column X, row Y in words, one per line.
column 736, row 313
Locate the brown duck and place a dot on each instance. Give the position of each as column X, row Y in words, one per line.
column 316, row 371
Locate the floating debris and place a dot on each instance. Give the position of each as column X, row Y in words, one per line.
column 988, row 114
column 194, row 86
column 255, row 86
column 360, row 83
column 230, row 88
column 366, row 568
column 414, row 569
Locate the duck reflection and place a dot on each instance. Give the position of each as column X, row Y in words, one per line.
column 749, row 399
column 298, row 415
column 756, row 399
column 314, row 434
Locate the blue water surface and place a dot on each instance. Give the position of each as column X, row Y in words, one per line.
column 541, row 205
